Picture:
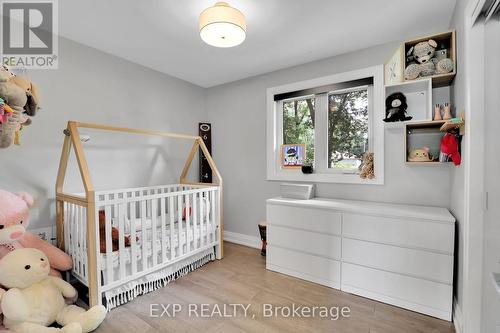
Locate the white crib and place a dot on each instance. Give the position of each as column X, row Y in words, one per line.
column 172, row 230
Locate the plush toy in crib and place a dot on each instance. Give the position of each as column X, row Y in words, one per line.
column 202, row 203
column 14, row 219
column 115, row 235
column 36, row 300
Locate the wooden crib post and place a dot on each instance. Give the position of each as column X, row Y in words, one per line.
column 61, row 173
column 92, row 251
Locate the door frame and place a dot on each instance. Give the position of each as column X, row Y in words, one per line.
column 474, row 189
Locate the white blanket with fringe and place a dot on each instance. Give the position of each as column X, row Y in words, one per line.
column 153, row 281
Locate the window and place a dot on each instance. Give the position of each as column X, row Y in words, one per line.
column 348, row 128
column 338, row 118
column 298, row 124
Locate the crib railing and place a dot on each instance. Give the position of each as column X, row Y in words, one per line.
column 141, row 230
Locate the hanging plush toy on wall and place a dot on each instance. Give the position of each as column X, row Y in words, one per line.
column 395, row 108
column 18, row 102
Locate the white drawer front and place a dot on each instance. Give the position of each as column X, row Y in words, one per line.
column 308, row 267
column 412, row 293
column 313, row 219
column 428, row 265
column 410, row 233
column 305, row 241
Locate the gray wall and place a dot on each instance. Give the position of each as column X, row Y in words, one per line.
column 92, row 86
column 238, row 113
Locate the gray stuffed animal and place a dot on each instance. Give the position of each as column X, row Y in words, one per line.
column 426, row 64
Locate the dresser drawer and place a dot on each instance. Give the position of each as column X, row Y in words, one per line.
column 300, row 240
column 304, row 266
column 433, row 266
column 420, row 295
column 311, row 219
column 411, row 233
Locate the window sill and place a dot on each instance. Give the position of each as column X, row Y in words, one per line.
column 326, row 178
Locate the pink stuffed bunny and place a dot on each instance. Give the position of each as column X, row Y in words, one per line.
column 14, row 219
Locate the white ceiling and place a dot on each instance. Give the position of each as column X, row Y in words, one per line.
column 163, row 34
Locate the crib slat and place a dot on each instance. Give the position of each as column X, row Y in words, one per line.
column 133, row 237
column 67, row 226
column 200, row 217
column 144, row 236
column 196, row 227
column 163, row 231
column 82, row 242
column 154, row 214
column 76, row 234
column 188, row 222
column 119, row 212
column 172, row 223
column 214, row 216
column 72, row 234
column 209, row 217
column 83, row 225
column 109, row 244
column 179, row 224
column 207, row 212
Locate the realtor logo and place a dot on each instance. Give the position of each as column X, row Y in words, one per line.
column 29, row 34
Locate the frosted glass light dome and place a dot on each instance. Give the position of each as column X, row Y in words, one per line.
column 222, row 26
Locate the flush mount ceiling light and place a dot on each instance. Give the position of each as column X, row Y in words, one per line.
column 222, row 26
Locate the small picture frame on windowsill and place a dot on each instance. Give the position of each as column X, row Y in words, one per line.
column 293, row 156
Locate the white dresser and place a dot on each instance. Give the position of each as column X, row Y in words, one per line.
column 397, row 254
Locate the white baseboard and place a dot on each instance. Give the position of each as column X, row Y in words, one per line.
column 457, row 317
column 242, row 239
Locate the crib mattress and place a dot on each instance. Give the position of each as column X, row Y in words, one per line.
column 193, row 235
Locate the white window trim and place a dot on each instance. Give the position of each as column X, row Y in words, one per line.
column 274, row 132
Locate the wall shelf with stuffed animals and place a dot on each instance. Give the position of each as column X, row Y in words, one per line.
column 426, row 57
column 433, row 142
column 417, row 80
column 415, row 97
column 431, row 56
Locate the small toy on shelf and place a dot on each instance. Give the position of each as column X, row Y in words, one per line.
column 395, row 108
column 36, row 300
column 437, row 112
column 420, row 155
column 449, row 149
column 367, row 168
column 447, row 111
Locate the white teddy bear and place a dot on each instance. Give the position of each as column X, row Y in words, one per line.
column 35, row 300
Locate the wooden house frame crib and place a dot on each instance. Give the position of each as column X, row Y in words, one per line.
column 88, row 201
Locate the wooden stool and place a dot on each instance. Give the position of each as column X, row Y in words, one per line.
column 263, row 236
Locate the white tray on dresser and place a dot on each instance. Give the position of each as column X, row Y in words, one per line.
column 397, row 254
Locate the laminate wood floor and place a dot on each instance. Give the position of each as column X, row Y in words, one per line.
column 241, row 277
